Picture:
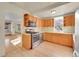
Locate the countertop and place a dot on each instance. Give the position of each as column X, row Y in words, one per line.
column 59, row 32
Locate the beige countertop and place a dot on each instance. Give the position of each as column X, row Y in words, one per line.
column 51, row 32
column 26, row 33
column 58, row 32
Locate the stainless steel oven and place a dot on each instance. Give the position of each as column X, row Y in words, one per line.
column 36, row 39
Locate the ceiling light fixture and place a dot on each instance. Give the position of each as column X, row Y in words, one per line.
column 53, row 11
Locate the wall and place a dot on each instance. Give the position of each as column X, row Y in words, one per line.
column 66, row 28
column 45, row 29
column 13, row 13
column 2, row 37
column 69, row 29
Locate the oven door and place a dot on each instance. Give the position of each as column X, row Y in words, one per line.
column 35, row 40
column 35, row 37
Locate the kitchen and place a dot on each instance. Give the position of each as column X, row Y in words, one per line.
column 54, row 37
column 40, row 31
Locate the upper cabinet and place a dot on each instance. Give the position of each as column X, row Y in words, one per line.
column 40, row 23
column 32, row 20
column 48, row 23
column 45, row 23
column 26, row 19
column 69, row 20
column 29, row 20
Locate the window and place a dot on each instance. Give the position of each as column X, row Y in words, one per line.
column 58, row 24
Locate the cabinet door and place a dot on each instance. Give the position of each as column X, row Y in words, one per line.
column 26, row 22
column 69, row 20
column 62, row 39
column 26, row 41
column 56, row 38
column 40, row 23
column 69, row 40
column 47, row 37
column 45, row 23
column 26, row 19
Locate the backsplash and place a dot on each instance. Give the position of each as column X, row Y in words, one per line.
column 66, row 29
column 44, row 29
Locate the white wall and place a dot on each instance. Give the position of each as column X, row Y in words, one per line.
column 2, row 37
column 12, row 12
column 69, row 29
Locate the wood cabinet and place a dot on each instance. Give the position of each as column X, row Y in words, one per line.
column 45, row 23
column 28, row 18
column 48, row 23
column 69, row 20
column 39, row 22
column 26, row 41
column 63, row 39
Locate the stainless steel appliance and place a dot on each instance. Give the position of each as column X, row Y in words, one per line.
column 36, row 39
column 31, row 24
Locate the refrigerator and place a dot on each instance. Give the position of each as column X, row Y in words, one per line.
column 76, row 35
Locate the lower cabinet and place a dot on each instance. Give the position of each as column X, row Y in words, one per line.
column 26, row 41
column 59, row 38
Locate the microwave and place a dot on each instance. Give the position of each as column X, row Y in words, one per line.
column 31, row 24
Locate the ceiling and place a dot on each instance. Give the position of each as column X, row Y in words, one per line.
column 13, row 10
column 39, row 8
column 32, row 7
